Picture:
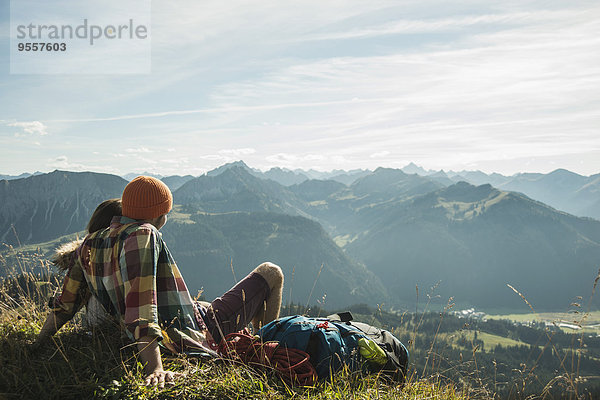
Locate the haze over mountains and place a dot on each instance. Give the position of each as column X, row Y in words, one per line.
column 564, row 190
column 377, row 234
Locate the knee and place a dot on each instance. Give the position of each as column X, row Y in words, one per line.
column 272, row 274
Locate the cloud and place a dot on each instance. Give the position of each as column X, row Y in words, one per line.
column 149, row 161
column 30, row 128
column 288, row 158
column 213, row 157
column 309, row 160
column 468, row 82
column 62, row 162
column 526, row 85
column 227, row 155
column 139, row 150
column 171, row 161
column 237, row 152
column 380, row 154
column 433, row 25
column 218, row 110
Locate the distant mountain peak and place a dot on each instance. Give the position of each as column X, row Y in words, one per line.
column 564, row 172
column 438, row 174
column 413, row 168
column 235, row 164
column 133, row 175
column 239, row 170
column 467, row 193
column 463, row 184
column 239, row 163
column 384, row 170
column 20, row 176
column 285, row 176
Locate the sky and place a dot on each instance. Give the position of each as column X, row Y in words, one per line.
column 511, row 86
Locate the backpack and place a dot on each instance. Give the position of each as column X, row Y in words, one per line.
column 333, row 343
column 396, row 353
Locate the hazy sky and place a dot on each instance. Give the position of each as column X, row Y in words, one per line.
column 506, row 87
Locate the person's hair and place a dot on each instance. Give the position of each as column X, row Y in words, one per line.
column 103, row 214
column 64, row 256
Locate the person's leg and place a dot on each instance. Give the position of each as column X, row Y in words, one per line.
column 255, row 298
column 270, row 310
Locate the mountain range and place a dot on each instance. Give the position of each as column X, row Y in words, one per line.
column 564, row 190
column 23, row 175
column 41, row 207
column 477, row 239
column 371, row 240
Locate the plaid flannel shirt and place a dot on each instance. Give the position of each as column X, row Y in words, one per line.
column 132, row 273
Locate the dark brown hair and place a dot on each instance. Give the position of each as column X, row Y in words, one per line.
column 64, row 257
column 103, row 214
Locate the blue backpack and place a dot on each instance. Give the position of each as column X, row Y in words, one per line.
column 332, row 343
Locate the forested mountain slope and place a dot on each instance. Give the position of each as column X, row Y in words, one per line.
column 43, row 207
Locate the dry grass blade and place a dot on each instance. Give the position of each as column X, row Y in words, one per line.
column 314, row 285
column 523, row 297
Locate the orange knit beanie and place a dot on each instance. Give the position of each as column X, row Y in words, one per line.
column 146, row 198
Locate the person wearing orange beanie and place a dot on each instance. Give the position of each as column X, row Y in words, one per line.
column 146, row 198
column 131, row 272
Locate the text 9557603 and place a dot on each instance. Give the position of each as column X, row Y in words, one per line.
column 41, row 46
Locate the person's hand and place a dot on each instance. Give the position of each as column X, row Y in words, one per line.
column 160, row 378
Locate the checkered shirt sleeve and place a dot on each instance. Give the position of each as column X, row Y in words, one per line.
column 75, row 293
column 138, row 261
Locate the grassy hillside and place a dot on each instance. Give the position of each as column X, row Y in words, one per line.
column 80, row 363
column 451, row 358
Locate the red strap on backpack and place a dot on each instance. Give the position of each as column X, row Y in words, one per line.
column 292, row 365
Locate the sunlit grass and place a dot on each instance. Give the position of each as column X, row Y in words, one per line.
column 79, row 363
